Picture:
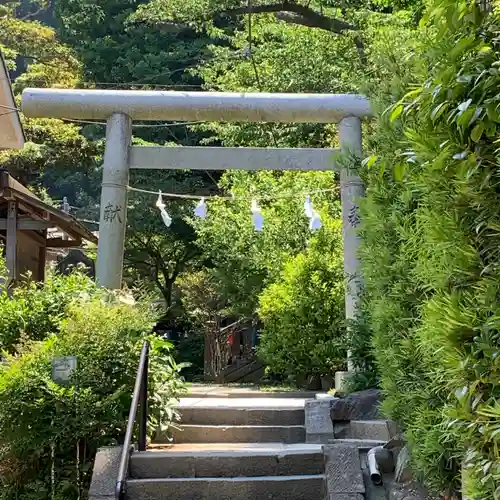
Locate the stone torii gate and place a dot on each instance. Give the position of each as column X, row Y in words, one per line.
column 120, row 107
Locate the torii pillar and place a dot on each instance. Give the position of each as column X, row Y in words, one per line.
column 351, row 190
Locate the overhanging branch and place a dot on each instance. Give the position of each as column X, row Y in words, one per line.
column 295, row 13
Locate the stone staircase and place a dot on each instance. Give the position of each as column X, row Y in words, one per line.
column 251, row 446
column 232, row 449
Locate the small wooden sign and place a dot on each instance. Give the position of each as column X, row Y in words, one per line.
column 63, row 369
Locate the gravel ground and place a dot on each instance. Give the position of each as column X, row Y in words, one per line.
column 410, row 491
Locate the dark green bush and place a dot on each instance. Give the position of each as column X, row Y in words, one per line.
column 190, row 350
column 49, row 434
column 431, row 247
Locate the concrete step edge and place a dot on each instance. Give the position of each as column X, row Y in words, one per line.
column 193, row 434
column 226, row 479
column 225, row 427
column 277, row 395
column 181, row 407
column 148, row 455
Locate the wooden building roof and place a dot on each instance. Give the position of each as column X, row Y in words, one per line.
column 35, row 216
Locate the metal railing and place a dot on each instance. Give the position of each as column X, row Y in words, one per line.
column 139, row 399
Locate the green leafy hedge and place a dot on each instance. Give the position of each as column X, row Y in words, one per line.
column 49, row 434
column 33, row 311
column 303, row 312
column 431, row 247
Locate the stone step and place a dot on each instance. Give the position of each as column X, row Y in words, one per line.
column 236, row 434
column 248, row 462
column 199, row 415
column 198, row 391
column 310, row 487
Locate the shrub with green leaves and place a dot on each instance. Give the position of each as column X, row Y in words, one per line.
column 49, row 434
column 32, row 312
column 431, row 247
column 303, row 312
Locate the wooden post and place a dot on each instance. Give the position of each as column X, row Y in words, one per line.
column 66, row 209
column 11, row 247
column 42, row 257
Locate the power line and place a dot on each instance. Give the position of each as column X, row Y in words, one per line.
column 139, row 125
column 117, row 84
column 90, row 122
column 12, row 108
column 8, row 112
column 145, row 80
column 130, row 84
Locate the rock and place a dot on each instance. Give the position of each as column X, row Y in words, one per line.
column 342, row 430
column 362, row 405
column 396, row 443
column 379, row 430
column 403, row 472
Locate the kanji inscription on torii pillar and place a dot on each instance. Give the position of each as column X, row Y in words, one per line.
column 112, row 213
column 353, row 216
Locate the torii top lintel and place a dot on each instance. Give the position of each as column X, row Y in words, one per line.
column 191, row 106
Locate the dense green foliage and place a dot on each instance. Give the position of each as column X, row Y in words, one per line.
column 430, row 251
column 247, row 266
column 245, row 260
column 32, row 313
column 103, row 49
column 303, row 312
column 50, row 434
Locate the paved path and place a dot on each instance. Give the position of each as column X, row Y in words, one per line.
column 239, row 391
